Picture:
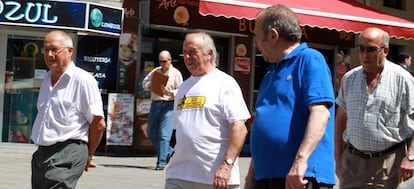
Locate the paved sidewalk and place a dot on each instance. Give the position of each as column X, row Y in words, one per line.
column 111, row 172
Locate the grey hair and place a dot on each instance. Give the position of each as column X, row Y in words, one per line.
column 284, row 20
column 207, row 45
column 385, row 38
column 68, row 42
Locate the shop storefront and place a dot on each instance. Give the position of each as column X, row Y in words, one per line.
column 162, row 24
column 23, row 25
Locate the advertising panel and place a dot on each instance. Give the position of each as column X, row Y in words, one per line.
column 128, row 47
column 120, row 119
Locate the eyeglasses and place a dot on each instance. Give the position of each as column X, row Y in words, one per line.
column 369, row 49
column 163, row 61
column 54, row 51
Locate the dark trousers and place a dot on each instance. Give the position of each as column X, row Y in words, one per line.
column 59, row 166
column 279, row 183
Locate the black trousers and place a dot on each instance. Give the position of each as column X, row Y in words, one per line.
column 279, row 183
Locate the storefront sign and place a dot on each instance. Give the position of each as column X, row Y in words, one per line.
column 242, row 64
column 98, row 56
column 327, row 37
column 62, row 15
column 105, row 19
column 184, row 13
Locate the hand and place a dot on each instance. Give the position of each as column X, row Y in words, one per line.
column 295, row 177
column 406, row 170
column 165, row 90
column 89, row 163
column 222, row 176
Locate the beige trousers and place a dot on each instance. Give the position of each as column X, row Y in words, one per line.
column 378, row 172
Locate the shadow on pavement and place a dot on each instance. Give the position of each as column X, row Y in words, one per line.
column 127, row 166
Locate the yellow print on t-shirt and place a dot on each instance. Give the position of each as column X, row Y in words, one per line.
column 191, row 102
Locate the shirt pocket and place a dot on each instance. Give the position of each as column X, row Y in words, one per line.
column 67, row 112
column 389, row 116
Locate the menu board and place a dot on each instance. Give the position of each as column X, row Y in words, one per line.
column 120, row 119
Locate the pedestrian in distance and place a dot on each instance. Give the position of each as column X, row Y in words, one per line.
column 374, row 121
column 291, row 139
column 160, row 118
column 209, row 118
column 70, row 119
column 404, row 59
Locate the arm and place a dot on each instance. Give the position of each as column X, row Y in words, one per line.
column 340, row 124
column 177, row 81
column 407, row 167
column 146, row 82
column 237, row 137
column 249, row 182
column 96, row 129
column 318, row 118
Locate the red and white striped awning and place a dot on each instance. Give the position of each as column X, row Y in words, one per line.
column 340, row 15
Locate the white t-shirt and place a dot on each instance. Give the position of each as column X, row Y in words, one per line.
column 204, row 109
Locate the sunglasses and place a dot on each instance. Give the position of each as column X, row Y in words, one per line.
column 369, row 49
column 163, row 61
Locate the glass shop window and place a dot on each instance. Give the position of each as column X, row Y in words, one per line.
column 25, row 69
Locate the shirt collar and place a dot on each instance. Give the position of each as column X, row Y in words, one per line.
column 69, row 71
column 292, row 54
column 295, row 51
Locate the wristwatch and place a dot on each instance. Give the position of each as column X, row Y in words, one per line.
column 231, row 162
column 410, row 157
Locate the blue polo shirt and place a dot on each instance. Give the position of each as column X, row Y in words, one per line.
column 301, row 78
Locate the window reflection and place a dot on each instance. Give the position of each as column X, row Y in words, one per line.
column 25, row 69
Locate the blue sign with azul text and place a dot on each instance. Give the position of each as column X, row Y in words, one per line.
column 61, row 14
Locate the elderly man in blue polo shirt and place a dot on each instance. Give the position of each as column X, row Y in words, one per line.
column 292, row 135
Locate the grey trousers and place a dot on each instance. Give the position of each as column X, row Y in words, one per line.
column 59, row 166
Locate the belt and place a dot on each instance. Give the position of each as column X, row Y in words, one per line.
column 369, row 155
column 163, row 101
column 64, row 143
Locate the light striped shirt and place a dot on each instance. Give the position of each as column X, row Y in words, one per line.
column 379, row 119
column 174, row 81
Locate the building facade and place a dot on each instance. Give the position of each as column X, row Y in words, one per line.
column 95, row 28
column 120, row 56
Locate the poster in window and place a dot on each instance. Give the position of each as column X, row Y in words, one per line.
column 120, row 119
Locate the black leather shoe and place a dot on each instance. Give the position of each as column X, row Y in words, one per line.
column 159, row 168
column 169, row 156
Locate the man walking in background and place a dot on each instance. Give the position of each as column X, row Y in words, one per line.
column 374, row 121
column 160, row 119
